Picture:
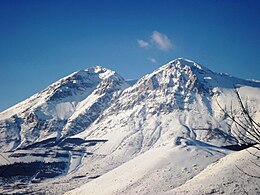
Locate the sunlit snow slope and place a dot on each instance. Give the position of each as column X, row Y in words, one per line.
column 237, row 173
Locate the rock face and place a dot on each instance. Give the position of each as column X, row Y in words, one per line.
column 94, row 121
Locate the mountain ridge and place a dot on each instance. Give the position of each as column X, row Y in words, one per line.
column 65, row 99
column 94, row 121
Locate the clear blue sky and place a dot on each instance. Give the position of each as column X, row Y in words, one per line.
column 42, row 41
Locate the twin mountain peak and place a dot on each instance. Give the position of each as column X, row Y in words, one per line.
column 90, row 99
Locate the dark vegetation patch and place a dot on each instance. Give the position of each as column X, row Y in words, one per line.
column 63, row 155
column 18, row 155
column 40, row 144
column 94, row 177
column 79, row 176
column 40, row 154
column 238, row 147
column 26, row 171
column 66, row 144
column 79, row 141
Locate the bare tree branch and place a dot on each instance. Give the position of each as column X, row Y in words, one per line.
column 247, row 130
column 249, row 126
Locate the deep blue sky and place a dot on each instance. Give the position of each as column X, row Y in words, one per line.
column 42, row 41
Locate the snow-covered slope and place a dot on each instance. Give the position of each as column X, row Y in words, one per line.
column 155, row 171
column 237, row 173
column 104, row 126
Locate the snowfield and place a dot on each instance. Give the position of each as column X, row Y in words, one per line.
column 155, row 171
column 93, row 132
column 233, row 174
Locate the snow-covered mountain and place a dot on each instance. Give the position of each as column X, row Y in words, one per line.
column 66, row 107
column 96, row 124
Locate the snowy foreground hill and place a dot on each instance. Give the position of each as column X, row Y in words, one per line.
column 93, row 132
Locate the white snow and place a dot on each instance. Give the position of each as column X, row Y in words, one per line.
column 64, row 110
column 233, row 174
column 157, row 170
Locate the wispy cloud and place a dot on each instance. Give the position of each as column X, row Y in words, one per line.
column 161, row 41
column 152, row 60
column 157, row 40
column 143, row 44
